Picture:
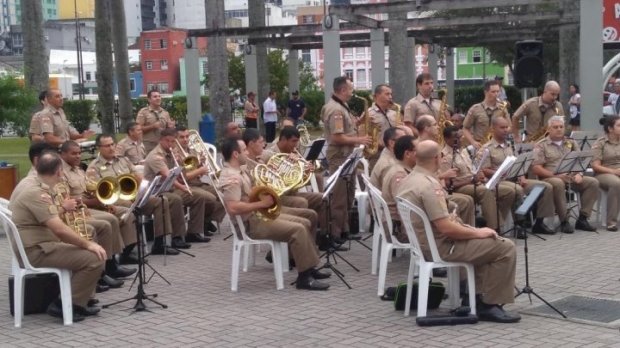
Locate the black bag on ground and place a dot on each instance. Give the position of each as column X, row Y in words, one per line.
column 39, row 291
column 436, row 292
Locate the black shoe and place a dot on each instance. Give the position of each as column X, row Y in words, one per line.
column 350, row 236
column 160, row 250
column 612, row 228
column 565, row 227
column 195, row 238
column 86, row 311
column 211, row 226
column 121, row 272
column 101, row 288
column 269, row 257
column 309, row 283
column 127, row 259
column 332, row 245
column 440, row 272
column 178, row 243
column 541, row 228
column 208, row 234
column 496, row 314
column 583, row 224
column 92, row 302
column 111, row 282
column 520, row 234
column 317, row 274
column 55, row 310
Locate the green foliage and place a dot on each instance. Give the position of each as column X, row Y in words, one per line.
column 16, row 105
column 307, row 81
column 236, row 73
column 80, row 113
column 176, row 106
column 314, row 100
column 465, row 97
column 278, row 71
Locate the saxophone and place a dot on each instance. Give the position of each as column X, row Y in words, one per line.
column 542, row 131
column 396, row 107
column 442, row 121
column 76, row 220
column 370, row 129
column 501, row 106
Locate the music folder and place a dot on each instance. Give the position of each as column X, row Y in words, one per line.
column 500, row 173
column 315, row 150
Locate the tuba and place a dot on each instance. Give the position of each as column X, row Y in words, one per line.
column 442, row 121
column 76, row 220
column 370, row 130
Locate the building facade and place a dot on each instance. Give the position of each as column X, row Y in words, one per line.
column 67, row 8
column 61, row 34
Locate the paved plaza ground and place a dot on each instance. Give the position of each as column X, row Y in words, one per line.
column 203, row 312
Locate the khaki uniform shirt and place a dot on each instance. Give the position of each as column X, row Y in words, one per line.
column 392, row 186
column 497, row 154
column 462, row 162
column 337, row 119
column 102, row 168
column 478, row 119
column 75, row 178
column 548, row 154
column 419, row 106
column 424, row 190
column 537, row 114
column 607, row 152
column 383, row 119
column 54, row 121
column 133, row 150
column 35, row 124
column 32, row 206
column 157, row 160
column 385, row 161
column 235, row 185
column 148, row 116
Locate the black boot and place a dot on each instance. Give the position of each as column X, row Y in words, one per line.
column 115, row 271
column 583, row 224
column 540, row 228
column 160, row 249
column 305, row 281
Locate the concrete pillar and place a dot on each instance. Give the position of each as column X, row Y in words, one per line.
column 410, row 70
column 251, row 74
column 432, row 61
column 450, row 69
column 377, row 57
column 400, row 58
column 568, row 53
column 192, row 85
column 331, row 49
column 590, row 62
column 293, row 70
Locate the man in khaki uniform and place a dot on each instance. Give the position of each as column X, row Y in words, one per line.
column 341, row 136
column 235, row 185
column 606, row 165
column 537, row 112
column 123, row 232
column 386, row 159
column 159, row 162
column 34, row 131
column 214, row 210
column 463, row 182
column 423, row 103
column 131, row 146
column 153, row 118
column 107, row 164
column 499, row 149
column 477, row 123
column 48, row 242
column 53, row 123
column 494, row 258
column 547, row 155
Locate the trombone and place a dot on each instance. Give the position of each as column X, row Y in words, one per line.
column 189, row 163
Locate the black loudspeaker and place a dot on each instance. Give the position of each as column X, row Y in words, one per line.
column 41, row 290
column 529, row 69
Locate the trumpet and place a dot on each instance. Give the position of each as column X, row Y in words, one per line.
column 76, row 220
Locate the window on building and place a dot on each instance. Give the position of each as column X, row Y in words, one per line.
column 348, row 53
column 88, row 76
column 387, row 75
column 306, row 57
column 307, row 19
column 163, row 43
column 132, row 85
column 476, row 56
column 164, row 64
column 349, row 74
column 386, row 51
column 150, row 87
column 360, row 78
column 147, row 44
column 49, row 11
column 360, row 52
column 462, row 57
column 205, row 67
column 149, row 65
column 163, row 87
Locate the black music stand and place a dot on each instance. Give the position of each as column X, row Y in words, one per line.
column 524, row 211
column 496, row 179
column 572, row 163
column 585, row 139
column 523, row 147
column 477, row 221
column 146, row 191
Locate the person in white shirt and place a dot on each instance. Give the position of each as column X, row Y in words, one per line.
column 574, row 106
column 613, row 98
column 270, row 116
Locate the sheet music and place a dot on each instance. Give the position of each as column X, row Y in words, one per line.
column 166, row 184
column 500, row 173
column 485, row 155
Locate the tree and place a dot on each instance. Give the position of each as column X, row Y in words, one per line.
column 36, row 59
column 121, row 62
column 236, row 73
column 16, row 104
column 307, row 80
column 105, row 67
column 278, row 71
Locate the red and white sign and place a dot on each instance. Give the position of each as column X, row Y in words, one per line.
column 611, row 21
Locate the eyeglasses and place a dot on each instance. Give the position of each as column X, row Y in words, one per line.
column 108, row 145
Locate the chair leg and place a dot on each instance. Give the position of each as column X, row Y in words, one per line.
column 423, row 285
column 18, row 300
column 386, row 251
column 64, row 277
column 376, row 245
column 277, row 265
column 412, row 266
column 284, row 255
column 453, row 286
column 471, row 288
column 234, row 274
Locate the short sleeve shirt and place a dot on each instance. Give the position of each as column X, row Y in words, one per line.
column 54, row 121
column 384, row 119
column 148, row 116
column 607, row 152
column 35, row 124
column 497, row 154
column 385, row 161
column 337, row 119
column 32, row 206
column 537, row 114
column 102, row 168
column 251, row 110
column 235, row 185
column 392, row 187
column 419, row 106
column 548, row 153
column 478, row 119
column 156, row 161
column 462, row 161
column 133, row 150
column 75, row 178
column 297, row 108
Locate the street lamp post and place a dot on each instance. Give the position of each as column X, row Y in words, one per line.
column 78, row 45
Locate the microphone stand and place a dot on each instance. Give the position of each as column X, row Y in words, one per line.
column 455, row 145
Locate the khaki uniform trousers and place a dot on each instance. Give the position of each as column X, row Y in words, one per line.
column 315, row 202
column 293, row 201
column 100, row 220
column 588, row 190
column 495, row 262
column 176, row 214
column 465, row 208
column 214, row 208
column 307, row 214
column 611, row 184
column 486, row 198
column 290, row 229
column 154, row 206
column 341, row 199
column 196, row 203
column 84, row 265
column 544, row 206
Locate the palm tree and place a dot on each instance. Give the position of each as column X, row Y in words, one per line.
column 121, row 62
column 105, row 67
column 36, row 58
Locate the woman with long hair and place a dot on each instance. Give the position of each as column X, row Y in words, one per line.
column 606, row 166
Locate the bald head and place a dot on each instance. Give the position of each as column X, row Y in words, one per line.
column 550, row 93
column 552, row 85
column 426, row 153
column 423, row 122
column 233, row 130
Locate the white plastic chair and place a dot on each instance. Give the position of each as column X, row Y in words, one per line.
column 405, row 209
column 18, row 256
column 384, row 229
column 361, row 197
column 4, row 203
column 241, row 240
